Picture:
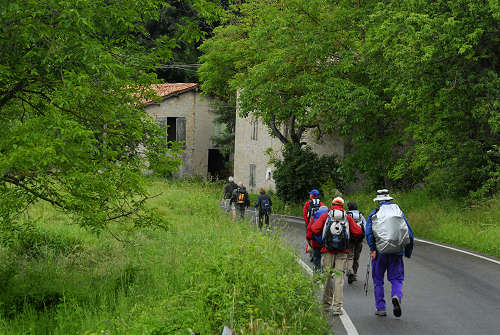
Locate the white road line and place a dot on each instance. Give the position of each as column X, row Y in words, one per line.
column 458, row 250
column 348, row 325
column 346, row 320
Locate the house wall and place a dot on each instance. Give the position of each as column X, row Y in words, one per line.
column 248, row 151
column 199, row 128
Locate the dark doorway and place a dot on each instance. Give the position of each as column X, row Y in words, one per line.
column 217, row 164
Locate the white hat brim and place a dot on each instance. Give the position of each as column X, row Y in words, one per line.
column 382, row 198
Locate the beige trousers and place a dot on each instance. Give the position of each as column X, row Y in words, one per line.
column 334, row 266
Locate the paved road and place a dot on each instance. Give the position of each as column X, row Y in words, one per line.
column 445, row 292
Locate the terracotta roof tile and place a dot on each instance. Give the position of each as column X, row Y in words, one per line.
column 166, row 90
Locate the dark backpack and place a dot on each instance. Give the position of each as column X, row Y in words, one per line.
column 336, row 231
column 265, row 205
column 314, row 205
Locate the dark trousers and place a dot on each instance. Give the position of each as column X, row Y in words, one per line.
column 355, row 248
column 263, row 217
column 317, row 258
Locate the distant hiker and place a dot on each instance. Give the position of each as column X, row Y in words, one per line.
column 335, row 227
column 389, row 236
column 315, row 241
column 310, row 207
column 355, row 243
column 263, row 207
column 228, row 193
column 240, row 200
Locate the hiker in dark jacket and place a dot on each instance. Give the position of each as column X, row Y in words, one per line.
column 392, row 262
column 263, row 207
column 240, row 200
column 228, row 193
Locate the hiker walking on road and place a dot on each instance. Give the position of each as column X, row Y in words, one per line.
column 310, row 207
column 335, row 228
column 228, row 193
column 263, row 207
column 355, row 243
column 240, row 200
column 389, row 237
column 315, row 241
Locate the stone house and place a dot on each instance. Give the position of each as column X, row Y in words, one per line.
column 187, row 117
column 253, row 140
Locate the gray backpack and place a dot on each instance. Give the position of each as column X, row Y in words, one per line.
column 390, row 229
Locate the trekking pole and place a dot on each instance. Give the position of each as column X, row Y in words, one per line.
column 367, row 276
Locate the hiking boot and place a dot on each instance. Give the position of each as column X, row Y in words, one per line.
column 379, row 312
column 350, row 278
column 397, row 306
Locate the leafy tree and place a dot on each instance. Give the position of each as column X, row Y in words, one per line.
column 75, row 134
column 412, row 86
column 302, row 170
column 442, row 61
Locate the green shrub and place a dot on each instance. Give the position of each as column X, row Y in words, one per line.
column 302, row 170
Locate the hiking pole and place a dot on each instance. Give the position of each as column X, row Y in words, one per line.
column 367, row 276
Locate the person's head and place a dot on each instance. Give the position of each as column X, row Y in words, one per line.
column 262, row 191
column 230, row 179
column 314, row 193
column 383, row 195
column 240, row 184
column 338, row 201
column 352, row 206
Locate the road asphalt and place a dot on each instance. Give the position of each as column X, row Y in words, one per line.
column 445, row 291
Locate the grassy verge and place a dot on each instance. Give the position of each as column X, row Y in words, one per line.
column 205, row 272
column 472, row 226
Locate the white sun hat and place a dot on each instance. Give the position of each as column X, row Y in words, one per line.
column 383, row 195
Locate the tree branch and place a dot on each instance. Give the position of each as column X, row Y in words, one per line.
column 276, row 132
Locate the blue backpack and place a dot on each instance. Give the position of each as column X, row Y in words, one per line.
column 317, row 214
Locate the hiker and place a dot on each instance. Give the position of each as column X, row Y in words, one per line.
column 310, row 207
column 240, row 200
column 315, row 242
column 335, row 227
column 228, row 193
column 263, row 206
column 355, row 243
column 389, row 237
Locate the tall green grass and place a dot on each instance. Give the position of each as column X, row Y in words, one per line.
column 204, row 272
column 465, row 224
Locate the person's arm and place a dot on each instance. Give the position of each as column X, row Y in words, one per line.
column 409, row 247
column 354, row 229
column 304, row 211
column 257, row 203
column 370, row 239
column 317, row 225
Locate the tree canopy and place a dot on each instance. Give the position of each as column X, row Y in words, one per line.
column 411, row 86
column 73, row 76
